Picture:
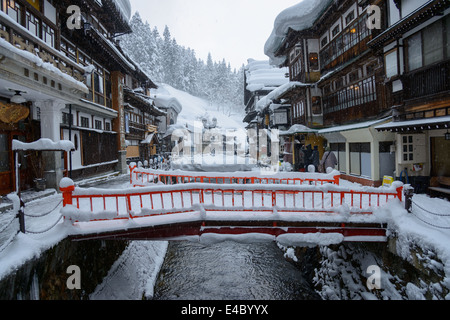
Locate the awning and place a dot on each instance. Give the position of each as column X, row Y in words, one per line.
column 354, row 126
column 298, row 129
column 416, row 125
column 149, row 139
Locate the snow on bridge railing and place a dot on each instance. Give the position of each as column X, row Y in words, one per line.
column 84, row 205
column 140, row 177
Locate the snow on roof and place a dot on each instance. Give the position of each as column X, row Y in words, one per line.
column 355, row 126
column 298, row 17
column 298, row 128
column 419, row 123
column 261, row 75
column 43, row 144
column 163, row 101
column 276, row 93
column 124, row 6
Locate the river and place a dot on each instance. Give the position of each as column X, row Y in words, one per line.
column 230, row 271
column 226, row 271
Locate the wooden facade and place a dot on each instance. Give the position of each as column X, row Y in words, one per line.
column 367, row 76
column 78, row 95
column 415, row 49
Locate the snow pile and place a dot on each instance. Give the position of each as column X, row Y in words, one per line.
column 124, row 7
column 274, row 94
column 298, row 17
column 44, row 144
column 262, row 76
column 134, row 274
column 163, row 99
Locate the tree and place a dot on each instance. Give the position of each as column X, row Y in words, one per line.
column 164, row 60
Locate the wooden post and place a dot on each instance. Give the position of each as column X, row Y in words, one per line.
column 131, row 173
column 409, row 193
column 67, row 187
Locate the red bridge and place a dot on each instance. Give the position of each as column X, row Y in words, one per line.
column 293, row 214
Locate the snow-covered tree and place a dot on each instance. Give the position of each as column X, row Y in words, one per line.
column 166, row 61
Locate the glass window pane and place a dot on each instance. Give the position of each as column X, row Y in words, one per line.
column 415, row 51
column 433, row 45
column 391, row 64
column 4, row 153
column 447, row 27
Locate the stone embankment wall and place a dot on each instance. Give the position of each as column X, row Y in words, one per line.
column 45, row 277
column 340, row 272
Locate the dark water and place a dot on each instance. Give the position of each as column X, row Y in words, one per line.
column 229, row 271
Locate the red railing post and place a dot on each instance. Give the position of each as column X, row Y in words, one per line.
column 67, row 187
column 400, row 193
column 337, row 180
column 131, row 172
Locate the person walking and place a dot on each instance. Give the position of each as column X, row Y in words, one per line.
column 329, row 160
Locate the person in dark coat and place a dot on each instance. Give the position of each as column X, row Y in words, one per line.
column 307, row 156
column 315, row 158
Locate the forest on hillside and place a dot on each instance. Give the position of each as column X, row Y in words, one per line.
column 165, row 61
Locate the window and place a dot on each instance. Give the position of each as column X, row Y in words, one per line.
column 339, row 150
column 360, row 163
column 107, row 126
column 361, row 92
column 33, row 24
column 353, row 76
column 314, row 62
column 13, row 10
column 433, row 43
column 75, row 141
column 390, row 61
column 349, row 17
column 85, row 122
column 428, row 46
column 98, row 125
column 316, row 105
column 447, row 31
column 335, row 31
column 48, row 35
column 324, row 41
column 67, row 118
column 4, row 153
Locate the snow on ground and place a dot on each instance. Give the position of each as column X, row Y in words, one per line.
column 142, row 260
column 195, row 108
column 134, row 274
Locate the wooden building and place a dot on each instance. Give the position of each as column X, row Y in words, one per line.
column 66, row 71
column 415, row 49
column 343, row 91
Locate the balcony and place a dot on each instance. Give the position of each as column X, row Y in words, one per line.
column 427, row 82
column 22, row 39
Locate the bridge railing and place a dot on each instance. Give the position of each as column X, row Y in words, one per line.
column 140, row 177
column 83, row 205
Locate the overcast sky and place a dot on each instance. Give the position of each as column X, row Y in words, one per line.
column 232, row 29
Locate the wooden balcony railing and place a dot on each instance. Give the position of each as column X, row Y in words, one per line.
column 427, row 81
column 21, row 39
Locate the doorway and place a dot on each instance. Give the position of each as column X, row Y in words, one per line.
column 440, row 157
